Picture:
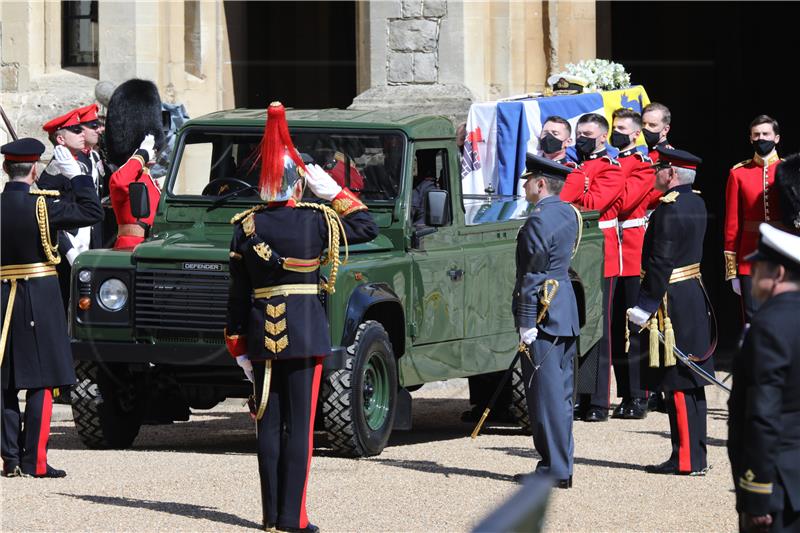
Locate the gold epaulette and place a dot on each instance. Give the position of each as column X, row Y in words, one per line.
column 669, row 198
column 41, row 192
column 238, row 217
column 743, row 163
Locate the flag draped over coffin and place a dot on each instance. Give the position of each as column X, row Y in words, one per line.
column 500, row 133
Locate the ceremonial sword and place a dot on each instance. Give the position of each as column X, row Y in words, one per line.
column 694, row 367
column 549, row 290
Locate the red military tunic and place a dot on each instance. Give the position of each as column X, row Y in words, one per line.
column 639, row 182
column 597, row 184
column 749, row 200
column 134, row 169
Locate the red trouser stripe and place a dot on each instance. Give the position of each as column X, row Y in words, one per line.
column 314, row 394
column 44, row 432
column 684, row 446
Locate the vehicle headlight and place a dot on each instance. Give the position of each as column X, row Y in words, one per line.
column 113, row 294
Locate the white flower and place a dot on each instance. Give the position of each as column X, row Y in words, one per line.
column 601, row 74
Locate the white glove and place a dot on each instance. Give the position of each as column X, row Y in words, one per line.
column 528, row 335
column 244, row 362
column 149, row 146
column 65, row 163
column 321, row 183
column 736, row 285
column 638, row 316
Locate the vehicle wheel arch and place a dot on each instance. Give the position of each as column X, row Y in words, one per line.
column 376, row 301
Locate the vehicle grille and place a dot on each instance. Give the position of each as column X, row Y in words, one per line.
column 168, row 302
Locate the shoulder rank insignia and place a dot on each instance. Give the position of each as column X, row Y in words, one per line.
column 669, row 198
column 239, row 216
column 743, row 163
column 44, row 192
column 642, row 157
column 249, row 225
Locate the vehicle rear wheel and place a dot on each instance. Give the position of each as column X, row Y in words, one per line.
column 105, row 406
column 519, row 406
column 359, row 401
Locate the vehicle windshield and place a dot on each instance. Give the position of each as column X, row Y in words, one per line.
column 216, row 162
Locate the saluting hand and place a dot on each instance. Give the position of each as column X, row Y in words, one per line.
column 321, row 183
column 65, row 162
column 149, row 146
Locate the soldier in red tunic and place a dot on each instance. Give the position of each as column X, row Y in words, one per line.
column 750, row 199
column 133, row 137
column 597, row 183
column 639, row 182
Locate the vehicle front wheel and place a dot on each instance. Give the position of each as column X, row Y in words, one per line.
column 359, row 401
column 105, row 406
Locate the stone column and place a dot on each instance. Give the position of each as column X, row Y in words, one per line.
column 410, row 54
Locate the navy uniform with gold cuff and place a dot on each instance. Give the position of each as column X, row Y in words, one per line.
column 275, row 315
column 764, row 406
column 673, row 297
column 35, row 349
column 545, row 245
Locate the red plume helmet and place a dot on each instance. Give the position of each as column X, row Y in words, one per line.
column 276, row 147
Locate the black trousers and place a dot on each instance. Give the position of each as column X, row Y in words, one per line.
column 25, row 437
column 594, row 369
column 286, row 438
column 627, row 367
column 748, row 304
column 687, row 427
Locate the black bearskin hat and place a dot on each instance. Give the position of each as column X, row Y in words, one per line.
column 787, row 178
column 133, row 112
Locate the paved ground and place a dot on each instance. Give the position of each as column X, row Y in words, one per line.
column 199, row 476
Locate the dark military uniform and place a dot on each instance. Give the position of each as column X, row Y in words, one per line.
column 764, row 406
column 673, row 294
column 36, row 351
column 544, row 249
column 275, row 311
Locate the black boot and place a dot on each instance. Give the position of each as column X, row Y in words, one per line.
column 310, row 528
column 636, row 409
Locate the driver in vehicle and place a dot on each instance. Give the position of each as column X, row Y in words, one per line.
column 424, row 181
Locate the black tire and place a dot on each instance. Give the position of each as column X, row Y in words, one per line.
column 345, row 396
column 519, row 405
column 105, row 406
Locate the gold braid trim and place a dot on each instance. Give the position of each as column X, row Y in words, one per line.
column 50, row 249
column 730, row 265
column 239, row 216
column 335, row 232
column 45, row 192
column 580, row 230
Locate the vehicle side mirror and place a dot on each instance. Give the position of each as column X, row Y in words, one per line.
column 437, row 215
column 139, row 199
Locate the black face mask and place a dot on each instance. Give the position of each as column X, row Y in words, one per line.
column 620, row 140
column 585, row 145
column 763, row 147
column 549, row 144
column 651, row 138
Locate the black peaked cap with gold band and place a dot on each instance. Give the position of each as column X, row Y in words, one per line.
column 536, row 166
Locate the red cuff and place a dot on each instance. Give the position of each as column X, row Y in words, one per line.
column 346, row 203
column 237, row 344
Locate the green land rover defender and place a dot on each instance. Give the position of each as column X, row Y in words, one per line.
column 429, row 299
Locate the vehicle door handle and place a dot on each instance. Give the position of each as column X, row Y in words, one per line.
column 455, row 274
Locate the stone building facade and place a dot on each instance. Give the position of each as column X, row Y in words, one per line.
column 427, row 55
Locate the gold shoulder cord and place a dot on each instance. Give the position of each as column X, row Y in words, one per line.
column 335, row 231
column 580, row 230
column 50, row 249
